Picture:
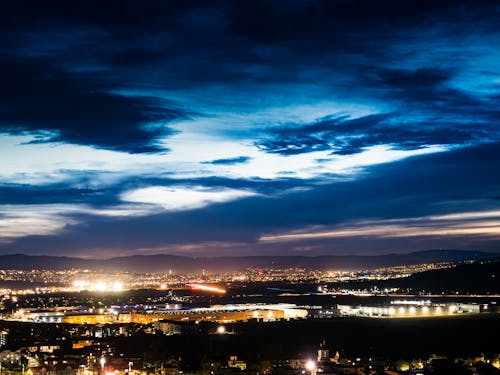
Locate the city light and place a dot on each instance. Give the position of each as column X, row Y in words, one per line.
column 310, row 365
column 207, row 288
column 261, row 187
column 117, row 286
column 100, row 281
column 80, row 284
column 100, row 286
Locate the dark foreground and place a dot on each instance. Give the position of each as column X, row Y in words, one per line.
column 388, row 338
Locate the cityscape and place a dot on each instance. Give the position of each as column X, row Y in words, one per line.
column 250, row 187
column 77, row 279
column 256, row 321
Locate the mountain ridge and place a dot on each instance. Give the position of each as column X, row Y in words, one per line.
column 180, row 264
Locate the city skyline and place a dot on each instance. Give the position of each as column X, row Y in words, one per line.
column 249, row 128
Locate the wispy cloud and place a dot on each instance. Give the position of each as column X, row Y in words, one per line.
column 484, row 224
column 230, row 161
column 49, row 219
column 178, row 198
column 249, row 120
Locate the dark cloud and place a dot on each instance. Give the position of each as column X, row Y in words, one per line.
column 171, row 44
column 344, row 136
column 94, row 73
column 429, row 112
column 74, row 108
column 230, row 161
column 29, row 194
column 81, row 189
column 459, row 181
column 420, row 79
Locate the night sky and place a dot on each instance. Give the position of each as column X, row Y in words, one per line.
column 207, row 128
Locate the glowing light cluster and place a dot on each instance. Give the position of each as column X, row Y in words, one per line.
column 310, row 365
column 207, row 288
column 99, row 286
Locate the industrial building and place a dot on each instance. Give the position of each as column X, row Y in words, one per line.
column 408, row 309
column 215, row 313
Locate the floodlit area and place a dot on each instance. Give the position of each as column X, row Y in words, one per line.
column 215, row 313
column 98, row 286
column 409, row 309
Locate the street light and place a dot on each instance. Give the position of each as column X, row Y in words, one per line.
column 311, row 367
column 102, row 361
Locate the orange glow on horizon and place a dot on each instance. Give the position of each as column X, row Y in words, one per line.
column 207, row 288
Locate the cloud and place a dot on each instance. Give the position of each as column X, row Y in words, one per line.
column 50, row 219
column 28, row 194
column 178, row 198
column 230, row 161
column 434, row 114
column 77, row 108
column 422, row 79
column 485, row 224
column 429, row 186
column 347, row 136
column 216, row 123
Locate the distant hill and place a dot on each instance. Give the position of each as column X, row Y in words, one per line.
column 480, row 277
column 180, row 264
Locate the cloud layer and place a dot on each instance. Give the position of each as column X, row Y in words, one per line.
column 242, row 127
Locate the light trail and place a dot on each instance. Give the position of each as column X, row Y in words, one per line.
column 207, row 288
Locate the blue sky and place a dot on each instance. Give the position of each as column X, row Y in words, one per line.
column 249, row 127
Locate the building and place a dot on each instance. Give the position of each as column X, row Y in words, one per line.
column 408, row 309
column 323, row 352
column 233, row 362
column 221, row 314
column 168, row 328
column 3, row 337
column 8, row 356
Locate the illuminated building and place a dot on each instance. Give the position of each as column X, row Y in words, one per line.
column 233, row 362
column 3, row 337
column 323, row 352
column 217, row 313
column 408, row 309
column 168, row 328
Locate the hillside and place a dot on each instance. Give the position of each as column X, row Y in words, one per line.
column 181, row 264
column 481, row 277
